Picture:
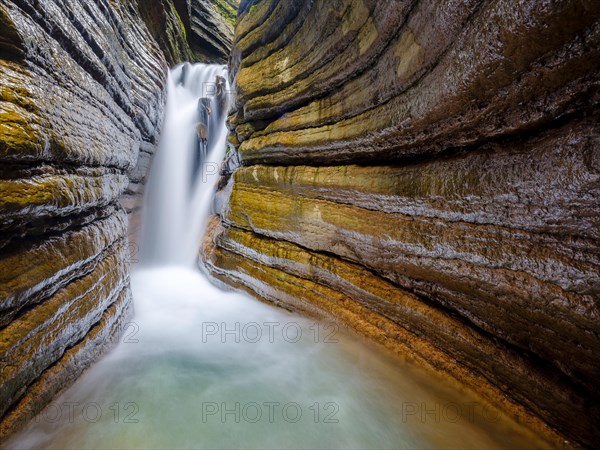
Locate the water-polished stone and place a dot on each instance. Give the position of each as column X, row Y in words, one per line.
column 448, row 152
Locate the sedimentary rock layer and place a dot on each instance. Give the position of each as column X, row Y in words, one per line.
column 168, row 22
column 488, row 69
column 211, row 29
column 191, row 30
column 429, row 175
column 82, row 89
column 70, row 366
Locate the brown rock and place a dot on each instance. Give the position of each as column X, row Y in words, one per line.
column 433, row 168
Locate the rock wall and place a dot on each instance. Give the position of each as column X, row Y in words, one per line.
column 168, row 22
column 82, row 92
column 185, row 30
column 191, row 30
column 429, row 175
column 212, row 23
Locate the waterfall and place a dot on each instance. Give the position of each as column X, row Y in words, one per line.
column 198, row 367
column 186, row 166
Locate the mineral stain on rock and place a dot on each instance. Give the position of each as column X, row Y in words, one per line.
column 427, row 160
column 410, row 54
column 426, row 173
column 82, row 94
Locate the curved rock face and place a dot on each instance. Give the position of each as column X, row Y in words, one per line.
column 429, row 175
column 83, row 88
column 191, row 30
column 168, row 22
column 212, row 23
column 82, row 92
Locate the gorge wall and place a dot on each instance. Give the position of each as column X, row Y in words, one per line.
column 212, row 29
column 185, row 30
column 82, row 92
column 427, row 173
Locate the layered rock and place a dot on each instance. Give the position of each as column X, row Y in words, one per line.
column 429, row 176
column 191, row 30
column 168, row 22
column 211, row 27
column 82, row 91
column 82, row 94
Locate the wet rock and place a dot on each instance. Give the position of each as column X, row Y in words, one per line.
column 39, row 337
column 82, row 90
column 35, row 272
column 212, row 23
column 506, row 280
column 497, row 70
column 169, row 23
column 428, row 175
column 82, row 95
column 70, row 366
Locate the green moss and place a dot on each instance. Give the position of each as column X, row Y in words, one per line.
column 226, row 10
column 181, row 24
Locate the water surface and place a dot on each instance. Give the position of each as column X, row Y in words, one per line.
column 202, row 368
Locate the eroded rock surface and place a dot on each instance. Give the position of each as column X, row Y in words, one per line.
column 82, row 94
column 429, row 175
column 83, row 88
column 212, row 23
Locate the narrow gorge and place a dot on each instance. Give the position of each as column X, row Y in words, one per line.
column 423, row 174
column 83, row 89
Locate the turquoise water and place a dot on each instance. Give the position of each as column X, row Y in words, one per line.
column 200, row 368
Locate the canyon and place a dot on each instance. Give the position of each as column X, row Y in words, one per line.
column 425, row 174
column 82, row 100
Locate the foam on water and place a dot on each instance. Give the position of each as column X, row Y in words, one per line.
column 202, row 368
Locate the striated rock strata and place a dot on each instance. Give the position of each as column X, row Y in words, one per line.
column 428, row 175
column 191, row 30
column 82, row 92
column 211, row 29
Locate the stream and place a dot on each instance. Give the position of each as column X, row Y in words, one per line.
column 198, row 367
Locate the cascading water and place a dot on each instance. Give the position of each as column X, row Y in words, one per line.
column 201, row 368
column 186, row 165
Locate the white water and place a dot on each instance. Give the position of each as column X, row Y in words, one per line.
column 202, row 368
column 179, row 190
